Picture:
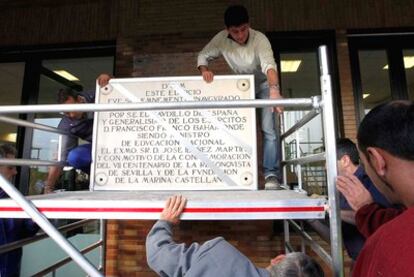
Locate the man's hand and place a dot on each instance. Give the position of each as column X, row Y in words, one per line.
column 173, row 209
column 52, row 178
column 207, row 74
column 274, row 93
column 103, row 79
column 354, row 191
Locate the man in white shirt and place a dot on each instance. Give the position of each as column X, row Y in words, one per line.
column 248, row 51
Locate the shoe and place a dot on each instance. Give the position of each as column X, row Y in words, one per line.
column 272, row 183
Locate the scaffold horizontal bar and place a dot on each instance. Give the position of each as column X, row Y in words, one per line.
column 297, row 103
column 186, row 210
column 20, row 243
column 308, row 117
column 24, row 123
column 28, row 162
column 307, row 159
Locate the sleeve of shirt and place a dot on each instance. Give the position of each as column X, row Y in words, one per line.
column 370, row 217
column 89, row 96
column 68, row 142
column 165, row 256
column 264, row 49
column 211, row 51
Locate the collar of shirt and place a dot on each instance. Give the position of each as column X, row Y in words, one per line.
column 360, row 172
column 231, row 38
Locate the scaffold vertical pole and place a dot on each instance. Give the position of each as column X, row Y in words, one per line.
column 298, row 166
column 48, row 228
column 283, row 148
column 330, row 150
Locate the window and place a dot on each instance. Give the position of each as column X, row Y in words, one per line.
column 382, row 68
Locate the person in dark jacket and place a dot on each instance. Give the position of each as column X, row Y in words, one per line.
column 348, row 165
column 12, row 229
column 215, row 257
column 78, row 125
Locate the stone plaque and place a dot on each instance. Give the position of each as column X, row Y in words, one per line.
column 200, row 149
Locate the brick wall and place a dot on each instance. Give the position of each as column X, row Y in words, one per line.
column 163, row 55
column 345, row 80
column 31, row 22
column 126, row 242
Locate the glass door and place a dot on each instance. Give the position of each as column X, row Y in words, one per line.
column 78, row 74
column 297, row 56
column 300, row 79
column 299, row 73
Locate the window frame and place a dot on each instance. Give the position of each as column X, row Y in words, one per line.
column 393, row 42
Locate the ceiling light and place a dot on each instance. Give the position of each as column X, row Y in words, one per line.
column 290, row 65
column 365, row 95
column 408, row 62
column 9, row 137
column 66, row 75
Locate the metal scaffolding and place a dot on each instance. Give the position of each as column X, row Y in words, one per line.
column 286, row 204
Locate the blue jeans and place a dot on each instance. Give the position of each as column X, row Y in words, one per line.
column 81, row 157
column 271, row 136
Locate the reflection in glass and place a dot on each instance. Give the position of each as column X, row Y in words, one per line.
column 409, row 71
column 300, row 79
column 375, row 81
column 45, row 146
column 34, row 262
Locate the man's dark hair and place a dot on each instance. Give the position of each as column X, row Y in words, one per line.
column 7, row 149
column 64, row 94
column 296, row 264
column 390, row 127
column 345, row 146
column 235, row 15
